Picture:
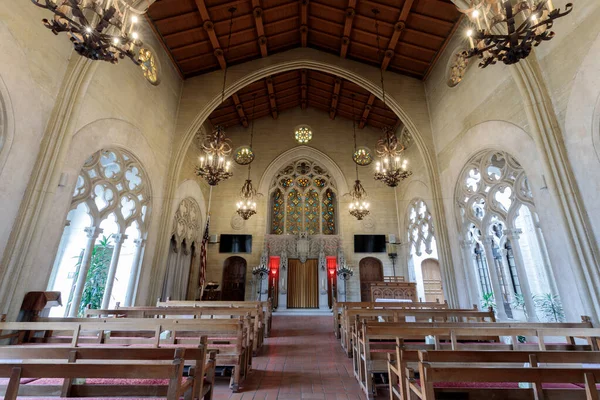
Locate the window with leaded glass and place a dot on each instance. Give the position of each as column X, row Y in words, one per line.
column 303, row 199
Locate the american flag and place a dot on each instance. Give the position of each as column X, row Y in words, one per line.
column 203, row 258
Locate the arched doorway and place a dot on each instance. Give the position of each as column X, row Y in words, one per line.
column 234, row 279
column 371, row 270
column 432, row 280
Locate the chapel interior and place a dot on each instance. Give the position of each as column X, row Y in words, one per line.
column 300, row 199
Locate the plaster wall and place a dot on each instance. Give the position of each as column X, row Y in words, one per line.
column 119, row 108
column 274, row 137
column 486, row 110
column 31, row 75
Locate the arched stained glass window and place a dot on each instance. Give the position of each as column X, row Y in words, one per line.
column 277, row 224
column 303, row 199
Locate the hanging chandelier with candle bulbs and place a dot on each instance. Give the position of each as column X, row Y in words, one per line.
column 215, row 165
column 359, row 206
column 508, row 30
column 391, row 168
column 102, row 30
column 246, row 207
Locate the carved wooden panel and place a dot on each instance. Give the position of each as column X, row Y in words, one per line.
column 394, row 290
column 371, row 271
column 234, row 279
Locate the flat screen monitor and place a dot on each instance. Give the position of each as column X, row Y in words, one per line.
column 235, row 244
column 369, row 244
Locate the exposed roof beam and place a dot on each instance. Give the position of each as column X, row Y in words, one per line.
column 304, row 88
column 272, row 98
column 399, row 28
column 240, row 109
column 260, row 30
column 304, row 22
column 350, row 13
column 366, row 111
column 335, row 97
column 208, row 25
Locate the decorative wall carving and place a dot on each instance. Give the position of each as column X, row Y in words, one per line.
column 311, row 246
column 186, row 224
column 420, row 227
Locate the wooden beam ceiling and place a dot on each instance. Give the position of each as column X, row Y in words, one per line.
column 304, row 22
column 260, row 30
column 272, row 98
column 350, row 13
column 209, row 27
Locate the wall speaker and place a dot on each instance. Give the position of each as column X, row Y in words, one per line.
column 391, row 238
column 213, row 239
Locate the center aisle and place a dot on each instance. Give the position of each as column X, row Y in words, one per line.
column 301, row 360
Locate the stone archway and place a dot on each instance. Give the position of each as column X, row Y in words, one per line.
column 203, row 95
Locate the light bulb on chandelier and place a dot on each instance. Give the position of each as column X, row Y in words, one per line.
column 99, row 29
column 507, row 31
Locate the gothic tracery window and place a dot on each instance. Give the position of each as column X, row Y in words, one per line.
column 109, row 210
column 303, row 199
column 496, row 213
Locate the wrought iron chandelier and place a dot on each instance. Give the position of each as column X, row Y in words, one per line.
column 99, row 29
column 359, row 207
column 246, row 207
column 344, row 272
column 214, row 165
column 500, row 37
column 391, row 169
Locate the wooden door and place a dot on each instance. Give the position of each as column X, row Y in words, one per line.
column 432, row 280
column 234, row 279
column 303, row 284
column 371, row 270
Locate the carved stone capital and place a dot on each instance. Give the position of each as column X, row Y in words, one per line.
column 93, row 232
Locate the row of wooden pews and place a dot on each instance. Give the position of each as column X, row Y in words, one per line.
column 441, row 353
column 170, row 350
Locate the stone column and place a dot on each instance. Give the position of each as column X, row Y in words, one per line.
column 283, row 281
column 506, row 268
column 489, row 255
column 402, row 260
column 119, row 238
column 513, row 235
column 135, row 266
column 92, row 234
column 472, row 287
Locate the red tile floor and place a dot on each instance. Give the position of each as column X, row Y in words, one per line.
column 301, row 360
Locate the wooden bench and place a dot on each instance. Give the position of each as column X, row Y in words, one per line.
column 398, row 315
column 338, row 308
column 229, row 337
column 256, row 314
column 267, row 307
column 485, row 375
column 374, row 342
column 114, row 367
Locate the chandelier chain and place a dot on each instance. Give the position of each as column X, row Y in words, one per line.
column 232, row 11
column 376, row 13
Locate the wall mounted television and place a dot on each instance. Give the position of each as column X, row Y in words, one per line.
column 235, row 244
column 369, row 244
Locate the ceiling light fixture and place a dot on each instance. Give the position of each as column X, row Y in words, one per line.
column 99, row 29
column 246, row 207
column 214, row 165
column 499, row 38
column 359, row 206
column 391, row 169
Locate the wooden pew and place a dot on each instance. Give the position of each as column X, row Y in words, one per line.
column 108, row 363
column 266, row 305
column 397, row 315
column 256, row 314
column 229, row 337
column 465, row 371
column 338, row 308
column 376, row 340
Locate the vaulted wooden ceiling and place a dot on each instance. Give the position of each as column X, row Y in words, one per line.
column 412, row 32
column 304, row 88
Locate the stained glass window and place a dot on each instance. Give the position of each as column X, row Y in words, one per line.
column 294, row 212
column 311, row 212
column 303, row 198
column 148, row 65
column 277, row 222
column 328, row 212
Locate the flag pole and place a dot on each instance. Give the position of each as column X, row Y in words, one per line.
column 204, row 257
